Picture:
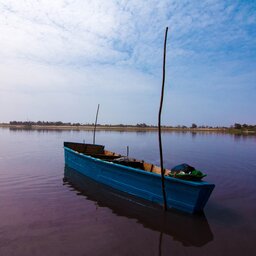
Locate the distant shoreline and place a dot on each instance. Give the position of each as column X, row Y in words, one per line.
column 126, row 128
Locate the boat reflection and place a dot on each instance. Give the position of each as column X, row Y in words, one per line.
column 190, row 230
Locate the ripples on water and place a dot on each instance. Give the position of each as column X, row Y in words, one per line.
column 41, row 214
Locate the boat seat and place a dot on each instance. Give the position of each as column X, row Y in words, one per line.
column 93, row 149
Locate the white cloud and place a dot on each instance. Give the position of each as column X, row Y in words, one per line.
column 49, row 31
column 114, row 48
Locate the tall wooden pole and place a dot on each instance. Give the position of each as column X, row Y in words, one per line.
column 159, row 125
column 95, row 124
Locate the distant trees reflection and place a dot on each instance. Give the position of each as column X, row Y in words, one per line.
column 235, row 127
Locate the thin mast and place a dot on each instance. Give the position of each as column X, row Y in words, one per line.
column 159, row 124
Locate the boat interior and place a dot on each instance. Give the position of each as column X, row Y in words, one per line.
column 98, row 151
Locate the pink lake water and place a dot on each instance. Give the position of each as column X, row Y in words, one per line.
column 40, row 214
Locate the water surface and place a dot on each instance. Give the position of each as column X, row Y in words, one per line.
column 41, row 214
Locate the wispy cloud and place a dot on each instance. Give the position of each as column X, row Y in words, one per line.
column 114, row 48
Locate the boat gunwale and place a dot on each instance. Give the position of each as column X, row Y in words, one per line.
column 168, row 178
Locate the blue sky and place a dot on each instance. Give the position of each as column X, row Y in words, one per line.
column 59, row 59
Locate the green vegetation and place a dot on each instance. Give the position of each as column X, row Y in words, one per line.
column 233, row 129
column 242, row 128
column 29, row 123
column 193, row 126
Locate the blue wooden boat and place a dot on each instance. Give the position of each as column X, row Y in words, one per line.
column 136, row 177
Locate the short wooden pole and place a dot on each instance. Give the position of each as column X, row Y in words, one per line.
column 95, row 124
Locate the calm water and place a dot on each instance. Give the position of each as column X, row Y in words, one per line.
column 40, row 214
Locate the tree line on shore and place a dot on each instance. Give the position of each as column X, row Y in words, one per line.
column 236, row 126
column 43, row 123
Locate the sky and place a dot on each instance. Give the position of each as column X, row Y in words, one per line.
column 60, row 59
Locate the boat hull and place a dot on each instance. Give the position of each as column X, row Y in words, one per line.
column 184, row 195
